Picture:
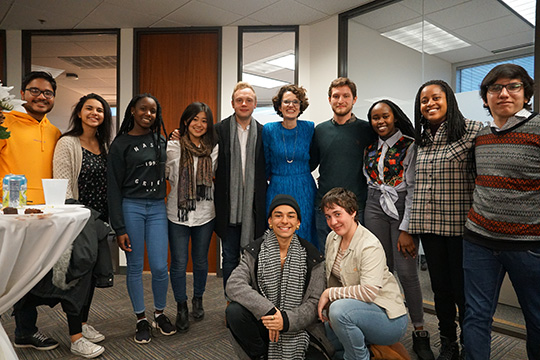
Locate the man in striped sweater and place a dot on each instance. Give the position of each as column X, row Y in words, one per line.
column 503, row 227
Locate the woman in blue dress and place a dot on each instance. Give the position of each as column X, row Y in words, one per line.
column 286, row 150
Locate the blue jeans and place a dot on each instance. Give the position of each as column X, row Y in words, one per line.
column 230, row 251
column 179, row 243
column 355, row 324
column 323, row 229
column 146, row 221
column 484, row 273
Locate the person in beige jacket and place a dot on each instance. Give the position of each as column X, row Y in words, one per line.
column 362, row 304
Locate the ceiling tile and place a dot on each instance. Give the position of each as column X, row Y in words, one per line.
column 472, row 12
column 24, row 17
column 428, row 7
column 509, row 41
column 288, row 12
column 493, row 29
column 464, row 54
column 388, row 18
column 333, row 7
column 240, row 7
column 197, row 13
column 160, row 8
column 113, row 16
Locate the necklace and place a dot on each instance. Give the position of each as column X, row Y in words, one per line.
column 285, row 145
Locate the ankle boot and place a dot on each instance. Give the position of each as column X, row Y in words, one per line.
column 421, row 345
column 197, row 309
column 182, row 317
column 449, row 349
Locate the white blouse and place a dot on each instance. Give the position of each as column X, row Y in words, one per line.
column 204, row 210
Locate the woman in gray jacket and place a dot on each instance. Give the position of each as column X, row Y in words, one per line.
column 275, row 291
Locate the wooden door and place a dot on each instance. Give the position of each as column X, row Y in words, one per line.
column 179, row 68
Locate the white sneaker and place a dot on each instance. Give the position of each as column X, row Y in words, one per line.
column 85, row 348
column 92, row 334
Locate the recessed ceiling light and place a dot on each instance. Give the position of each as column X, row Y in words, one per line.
column 287, row 62
column 262, row 81
column 525, row 8
column 434, row 40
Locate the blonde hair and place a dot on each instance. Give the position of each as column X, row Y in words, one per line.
column 242, row 85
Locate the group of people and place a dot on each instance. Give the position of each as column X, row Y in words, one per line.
column 469, row 194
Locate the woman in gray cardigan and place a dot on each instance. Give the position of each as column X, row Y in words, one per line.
column 275, row 290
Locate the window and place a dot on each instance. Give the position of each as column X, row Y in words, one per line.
column 469, row 78
column 268, row 61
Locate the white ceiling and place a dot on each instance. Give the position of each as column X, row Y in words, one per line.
column 91, row 14
column 486, row 24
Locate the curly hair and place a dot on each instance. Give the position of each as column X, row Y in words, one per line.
column 454, row 118
column 300, row 93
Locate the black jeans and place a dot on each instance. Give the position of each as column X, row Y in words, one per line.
column 444, row 256
column 252, row 335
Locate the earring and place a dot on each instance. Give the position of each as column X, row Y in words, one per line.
column 271, row 226
column 297, row 227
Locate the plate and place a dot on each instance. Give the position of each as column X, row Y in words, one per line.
column 47, row 212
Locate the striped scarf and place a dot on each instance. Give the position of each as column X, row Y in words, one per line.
column 285, row 289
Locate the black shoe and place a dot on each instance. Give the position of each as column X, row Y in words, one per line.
column 197, row 310
column 164, row 325
column 37, row 341
column 142, row 335
column 182, row 317
column 449, row 349
column 421, row 345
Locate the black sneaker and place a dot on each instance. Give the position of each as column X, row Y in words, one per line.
column 142, row 336
column 37, row 341
column 421, row 345
column 449, row 349
column 164, row 325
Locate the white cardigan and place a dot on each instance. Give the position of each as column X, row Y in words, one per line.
column 67, row 163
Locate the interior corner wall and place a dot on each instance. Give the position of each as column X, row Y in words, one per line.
column 319, row 65
column 229, row 69
column 385, row 69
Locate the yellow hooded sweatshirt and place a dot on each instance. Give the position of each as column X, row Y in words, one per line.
column 28, row 151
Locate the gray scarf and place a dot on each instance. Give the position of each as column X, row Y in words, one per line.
column 285, row 289
column 243, row 187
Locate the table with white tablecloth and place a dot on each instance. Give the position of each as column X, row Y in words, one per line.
column 29, row 247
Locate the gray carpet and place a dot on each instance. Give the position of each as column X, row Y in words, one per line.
column 112, row 314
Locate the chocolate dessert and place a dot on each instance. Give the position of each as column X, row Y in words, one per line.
column 10, row 210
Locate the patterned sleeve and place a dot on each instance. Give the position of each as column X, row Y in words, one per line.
column 63, row 162
column 365, row 293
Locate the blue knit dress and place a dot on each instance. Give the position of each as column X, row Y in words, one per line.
column 287, row 166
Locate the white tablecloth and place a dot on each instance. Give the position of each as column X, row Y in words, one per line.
column 29, row 247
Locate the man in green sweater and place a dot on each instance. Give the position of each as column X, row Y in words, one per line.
column 337, row 149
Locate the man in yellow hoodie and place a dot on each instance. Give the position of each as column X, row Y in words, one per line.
column 30, row 148
column 29, row 151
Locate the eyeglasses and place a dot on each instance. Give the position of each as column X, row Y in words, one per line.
column 48, row 94
column 291, row 102
column 511, row 88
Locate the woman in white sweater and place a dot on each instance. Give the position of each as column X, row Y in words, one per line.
column 81, row 157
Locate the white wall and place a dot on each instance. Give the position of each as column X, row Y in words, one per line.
column 383, row 68
column 318, row 66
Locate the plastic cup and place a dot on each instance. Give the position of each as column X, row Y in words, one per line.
column 54, row 191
